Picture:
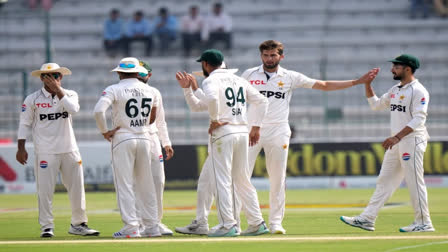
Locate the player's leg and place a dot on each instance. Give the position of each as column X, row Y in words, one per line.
column 73, row 179
column 123, row 158
column 244, row 188
column 411, row 151
column 389, row 179
column 46, row 170
column 221, row 162
column 276, row 152
column 205, row 192
column 387, row 182
column 145, row 189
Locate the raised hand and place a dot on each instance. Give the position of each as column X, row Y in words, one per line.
column 368, row 77
column 183, row 79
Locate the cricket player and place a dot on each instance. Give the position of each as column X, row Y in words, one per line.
column 278, row 84
column 134, row 107
column 206, row 190
column 408, row 103
column 158, row 131
column 227, row 96
column 47, row 114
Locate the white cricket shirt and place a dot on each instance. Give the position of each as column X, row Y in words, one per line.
column 408, row 107
column 227, row 96
column 51, row 121
column 131, row 102
column 159, row 126
column 278, row 89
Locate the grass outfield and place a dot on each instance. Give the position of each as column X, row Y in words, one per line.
column 312, row 223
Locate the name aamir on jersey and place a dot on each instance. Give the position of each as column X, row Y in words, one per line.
column 139, row 122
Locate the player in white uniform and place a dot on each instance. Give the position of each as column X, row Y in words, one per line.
column 159, row 131
column 206, row 189
column 227, row 96
column 277, row 84
column 405, row 148
column 47, row 113
column 134, row 106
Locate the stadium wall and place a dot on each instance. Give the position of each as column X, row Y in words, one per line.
column 310, row 165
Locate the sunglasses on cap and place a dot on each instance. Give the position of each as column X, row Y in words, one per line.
column 127, row 65
column 55, row 75
column 142, row 74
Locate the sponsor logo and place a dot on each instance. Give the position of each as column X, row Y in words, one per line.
column 401, row 97
column 257, row 82
column 53, row 116
column 406, row 156
column 277, row 95
column 423, row 101
column 161, row 158
column 280, row 84
column 6, row 171
column 23, row 107
column 43, row 164
column 392, row 96
column 399, row 108
column 43, row 105
column 285, row 146
column 103, row 93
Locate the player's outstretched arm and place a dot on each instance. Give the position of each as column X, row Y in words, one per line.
column 337, row 85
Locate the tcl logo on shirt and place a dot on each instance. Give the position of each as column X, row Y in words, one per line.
column 257, row 82
column 399, row 108
column 53, row 116
column 43, row 105
column 277, row 95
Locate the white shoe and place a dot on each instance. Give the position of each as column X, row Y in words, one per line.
column 277, row 229
column 418, row 228
column 47, row 233
column 151, row 232
column 164, row 230
column 83, row 229
column 193, row 228
column 127, row 233
column 357, row 221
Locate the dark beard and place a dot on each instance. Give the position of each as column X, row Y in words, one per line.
column 206, row 74
column 397, row 77
column 271, row 66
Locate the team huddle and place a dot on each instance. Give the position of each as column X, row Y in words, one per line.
column 246, row 113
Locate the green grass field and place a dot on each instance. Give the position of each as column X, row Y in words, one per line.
column 312, row 224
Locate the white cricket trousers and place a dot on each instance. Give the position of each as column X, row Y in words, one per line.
column 131, row 163
column 205, row 192
column 228, row 152
column 158, row 173
column 46, row 169
column 404, row 160
column 274, row 140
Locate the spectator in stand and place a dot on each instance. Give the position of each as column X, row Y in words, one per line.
column 46, row 4
column 113, row 33
column 418, row 6
column 165, row 28
column 218, row 27
column 191, row 25
column 138, row 30
column 441, row 7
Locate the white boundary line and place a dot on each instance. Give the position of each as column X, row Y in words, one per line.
column 228, row 239
column 417, row 246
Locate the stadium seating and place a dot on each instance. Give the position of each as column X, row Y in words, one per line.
column 324, row 39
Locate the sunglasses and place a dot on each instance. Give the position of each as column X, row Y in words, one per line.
column 142, row 74
column 127, row 65
column 55, row 75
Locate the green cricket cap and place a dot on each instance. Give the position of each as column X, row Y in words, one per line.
column 212, row 56
column 408, row 60
column 145, row 65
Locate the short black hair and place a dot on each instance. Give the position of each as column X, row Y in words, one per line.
column 114, row 11
column 139, row 13
column 163, row 11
